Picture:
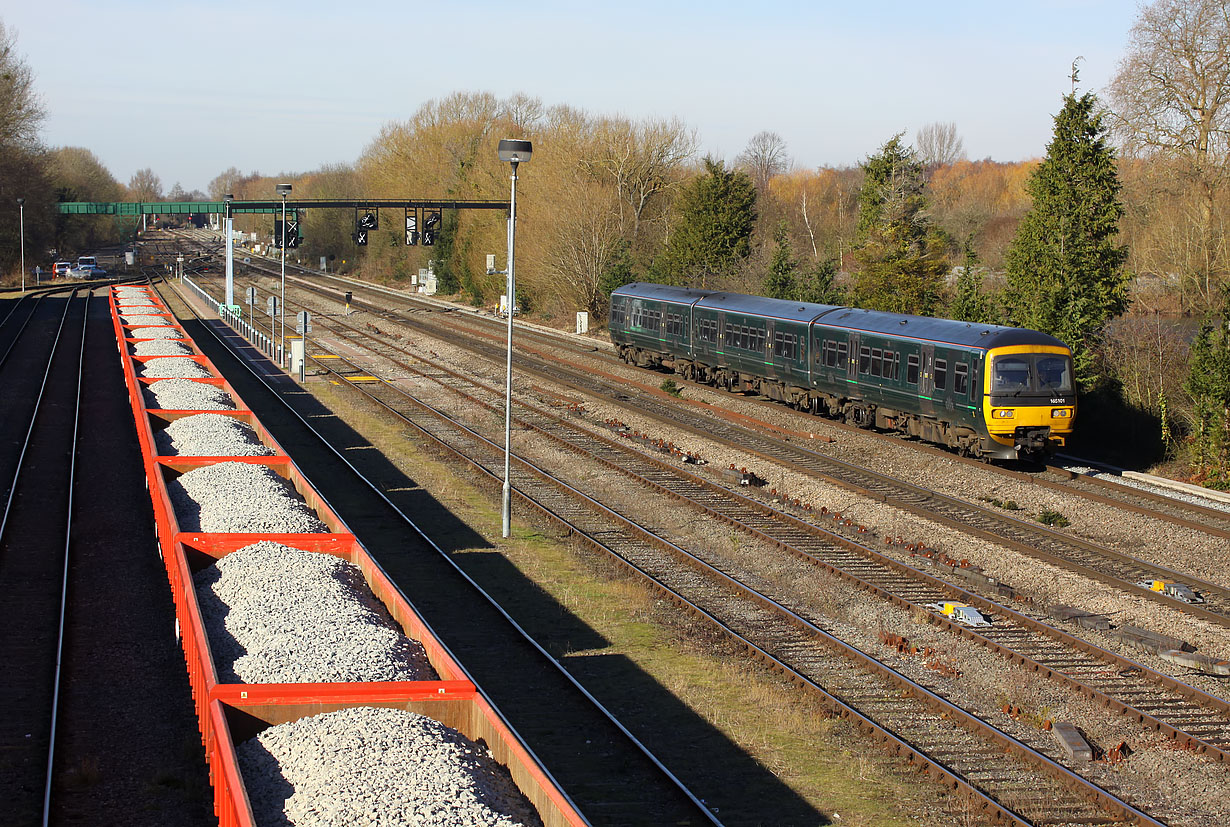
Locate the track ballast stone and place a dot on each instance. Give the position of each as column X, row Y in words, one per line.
column 277, row 614
column 174, row 367
column 376, row 766
column 240, row 497
column 187, row 395
column 210, row 435
column 161, row 347
column 155, row 333
column 149, row 321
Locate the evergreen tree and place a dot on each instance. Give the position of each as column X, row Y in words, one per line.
column 1208, row 383
column 817, row 284
column 619, row 270
column 899, row 253
column 713, row 230
column 780, row 283
column 969, row 304
column 1065, row 271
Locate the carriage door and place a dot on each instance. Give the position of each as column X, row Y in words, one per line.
column 852, row 362
column 767, row 357
column 926, row 381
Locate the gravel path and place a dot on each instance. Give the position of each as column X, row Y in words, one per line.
column 210, row 435
column 277, row 614
column 240, row 497
column 375, row 766
column 187, row 395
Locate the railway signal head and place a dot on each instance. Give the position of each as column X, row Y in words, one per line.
column 368, row 221
column 431, row 225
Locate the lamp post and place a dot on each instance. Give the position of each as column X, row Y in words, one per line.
column 21, row 213
column 513, row 152
column 230, row 251
column 283, row 190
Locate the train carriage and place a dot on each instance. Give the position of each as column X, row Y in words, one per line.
column 985, row 390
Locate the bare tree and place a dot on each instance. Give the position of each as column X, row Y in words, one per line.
column 1170, row 97
column 764, row 157
column 939, row 145
column 643, row 159
column 21, row 113
column 145, row 186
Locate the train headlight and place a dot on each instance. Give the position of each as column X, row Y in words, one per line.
column 1061, row 413
column 1003, row 413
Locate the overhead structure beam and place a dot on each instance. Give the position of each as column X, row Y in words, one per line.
column 270, row 207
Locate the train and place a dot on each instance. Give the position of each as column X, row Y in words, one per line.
column 984, row 390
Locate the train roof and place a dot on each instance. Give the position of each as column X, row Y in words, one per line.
column 966, row 334
column 926, row 328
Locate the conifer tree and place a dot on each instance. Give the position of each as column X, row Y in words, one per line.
column 899, row 252
column 712, row 235
column 969, row 304
column 1208, row 383
column 1065, row 269
column 779, row 282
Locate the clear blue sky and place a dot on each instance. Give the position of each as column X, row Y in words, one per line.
column 190, row 89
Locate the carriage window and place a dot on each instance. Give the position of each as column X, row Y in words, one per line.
column 960, row 381
column 785, row 345
column 911, row 369
column 843, row 355
column 674, row 324
column 941, row 374
column 876, row 361
column 762, row 339
column 864, row 360
column 617, row 313
column 892, row 371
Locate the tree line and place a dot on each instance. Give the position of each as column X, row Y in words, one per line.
column 1124, row 217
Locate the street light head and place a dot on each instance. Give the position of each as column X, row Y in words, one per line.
column 228, row 198
column 515, row 152
column 283, row 189
column 20, row 201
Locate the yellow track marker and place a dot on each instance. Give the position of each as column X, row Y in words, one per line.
column 362, row 378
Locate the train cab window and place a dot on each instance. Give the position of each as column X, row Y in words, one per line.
column 1053, row 374
column 864, row 360
column 911, row 369
column 960, row 379
column 877, row 357
column 1011, row 374
column 617, row 313
column 941, row 374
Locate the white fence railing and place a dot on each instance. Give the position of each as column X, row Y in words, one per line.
column 264, row 341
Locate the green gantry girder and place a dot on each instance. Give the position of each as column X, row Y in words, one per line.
column 272, row 206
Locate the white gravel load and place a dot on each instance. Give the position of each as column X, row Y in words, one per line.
column 155, row 333
column 137, row 306
column 240, row 497
column 376, row 766
column 210, row 435
column 187, row 395
column 161, row 347
column 146, row 321
column 174, row 367
column 277, row 614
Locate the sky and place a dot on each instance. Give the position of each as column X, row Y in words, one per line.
column 191, row 89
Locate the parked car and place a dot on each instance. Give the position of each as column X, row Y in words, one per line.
column 60, row 269
column 87, row 261
column 88, row 271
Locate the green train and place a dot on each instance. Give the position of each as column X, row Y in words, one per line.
column 986, row 391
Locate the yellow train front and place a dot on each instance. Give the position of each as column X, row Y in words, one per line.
column 1029, row 400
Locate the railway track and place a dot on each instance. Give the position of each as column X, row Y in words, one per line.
column 1196, row 720
column 503, row 658
column 1043, row 651
column 913, row 718
column 43, row 392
